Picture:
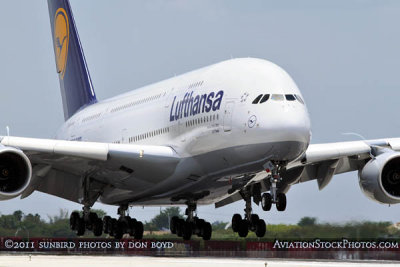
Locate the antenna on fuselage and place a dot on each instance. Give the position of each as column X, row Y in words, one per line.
column 8, row 131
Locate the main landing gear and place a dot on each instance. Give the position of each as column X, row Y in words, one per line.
column 89, row 221
column 116, row 228
column 191, row 226
column 250, row 222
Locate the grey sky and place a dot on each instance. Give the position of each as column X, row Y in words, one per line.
column 343, row 55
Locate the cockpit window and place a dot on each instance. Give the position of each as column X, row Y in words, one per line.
column 299, row 98
column 277, row 97
column 290, row 97
column 255, row 101
column 265, row 98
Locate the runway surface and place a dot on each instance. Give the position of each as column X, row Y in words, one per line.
column 120, row 261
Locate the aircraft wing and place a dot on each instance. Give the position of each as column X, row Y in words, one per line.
column 321, row 162
column 60, row 167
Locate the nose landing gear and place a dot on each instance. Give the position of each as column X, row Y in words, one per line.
column 274, row 197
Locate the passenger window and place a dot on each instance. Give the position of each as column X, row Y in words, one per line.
column 277, row 97
column 290, row 97
column 255, row 101
column 265, row 98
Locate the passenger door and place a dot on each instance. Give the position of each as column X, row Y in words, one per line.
column 228, row 116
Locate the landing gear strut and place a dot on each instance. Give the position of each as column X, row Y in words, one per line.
column 250, row 222
column 191, row 226
column 274, row 197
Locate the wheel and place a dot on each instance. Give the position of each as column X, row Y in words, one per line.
column 73, row 220
column 179, row 227
column 132, row 226
column 281, row 205
column 253, row 221
column 106, row 224
column 138, row 230
column 243, row 228
column 260, row 228
column 173, row 224
column 92, row 220
column 187, row 230
column 199, row 227
column 93, row 216
column 80, row 228
column 236, row 221
column 119, row 230
column 266, row 201
column 113, row 226
column 98, row 227
column 207, row 231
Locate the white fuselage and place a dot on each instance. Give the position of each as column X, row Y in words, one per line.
column 207, row 115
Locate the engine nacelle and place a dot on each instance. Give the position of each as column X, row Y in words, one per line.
column 15, row 172
column 380, row 178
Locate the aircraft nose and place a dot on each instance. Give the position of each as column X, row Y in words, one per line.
column 289, row 127
column 296, row 125
column 295, row 132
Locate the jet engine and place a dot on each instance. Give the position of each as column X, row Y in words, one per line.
column 15, row 172
column 380, row 178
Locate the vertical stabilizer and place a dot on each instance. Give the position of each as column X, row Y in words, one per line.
column 75, row 83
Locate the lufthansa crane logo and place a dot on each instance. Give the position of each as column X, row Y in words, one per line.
column 61, row 40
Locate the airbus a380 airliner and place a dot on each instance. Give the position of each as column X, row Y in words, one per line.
column 236, row 130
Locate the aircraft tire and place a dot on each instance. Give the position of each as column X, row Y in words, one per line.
column 173, row 224
column 106, row 224
column 179, row 227
column 253, row 221
column 73, row 220
column 138, row 230
column 243, row 228
column 199, row 227
column 114, row 225
column 236, row 222
column 260, row 228
column 92, row 220
column 119, row 230
column 80, row 230
column 132, row 226
column 281, row 205
column 266, row 201
column 206, row 231
column 98, row 227
column 186, row 230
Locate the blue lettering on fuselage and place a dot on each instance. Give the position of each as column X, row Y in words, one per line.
column 192, row 105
